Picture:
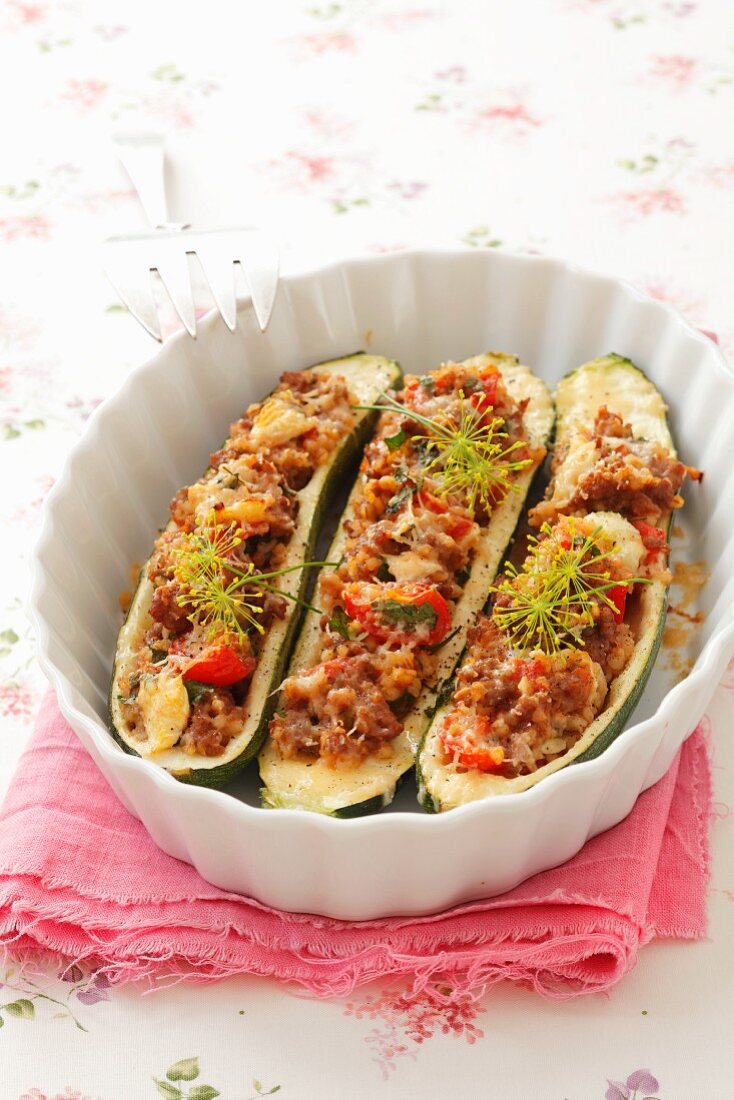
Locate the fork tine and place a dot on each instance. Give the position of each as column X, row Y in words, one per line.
column 172, row 266
column 132, row 287
column 215, row 256
column 259, row 261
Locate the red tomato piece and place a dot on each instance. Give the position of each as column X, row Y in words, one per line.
column 219, row 666
column 484, row 400
column 362, row 602
column 653, row 539
column 458, row 525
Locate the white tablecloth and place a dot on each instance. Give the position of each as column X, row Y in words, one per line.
column 599, row 130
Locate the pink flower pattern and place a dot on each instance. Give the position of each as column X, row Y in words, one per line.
column 405, row 1021
column 515, row 117
column 69, row 1093
column 674, row 69
column 25, row 227
column 16, row 701
column 638, row 1086
column 647, row 201
column 85, row 94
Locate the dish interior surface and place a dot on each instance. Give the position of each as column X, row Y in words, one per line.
column 421, row 309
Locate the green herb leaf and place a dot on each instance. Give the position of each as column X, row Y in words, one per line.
column 339, row 622
column 22, row 1009
column 196, row 692
column 401, row 497
column 9, row 636
column 428, row 382
column 185, row 1070
column 168, row 1092
column 202, row 1092
column 407, row 614
column 158, row 655
column 383, row 573
column 397, row 440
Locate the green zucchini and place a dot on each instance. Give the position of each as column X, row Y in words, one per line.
column 367, row 377
column 617, row 383
column 313, row 785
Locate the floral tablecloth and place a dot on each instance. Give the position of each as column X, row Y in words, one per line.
column 599, row 130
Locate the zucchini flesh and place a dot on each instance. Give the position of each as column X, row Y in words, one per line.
column 367, row 377
column 617, row 383
column 312, row 784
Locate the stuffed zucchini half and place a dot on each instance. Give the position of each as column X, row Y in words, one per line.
column 210, row 627
column 440, row 491
column 554, row 670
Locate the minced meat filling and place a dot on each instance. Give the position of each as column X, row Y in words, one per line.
column 517, row 706
column 410, row 546
column 214, row 721
column 246, row 506
column 304, row 400
column 513, row 712
column 336, row 711
column 639, row 478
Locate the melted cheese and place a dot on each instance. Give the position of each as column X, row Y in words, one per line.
column 410, row 566
column 278, row 422
column 245, row 512
column 630, row 548
column 578, row 463
column 164, row 706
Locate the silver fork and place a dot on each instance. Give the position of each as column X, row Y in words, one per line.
column 129, row 260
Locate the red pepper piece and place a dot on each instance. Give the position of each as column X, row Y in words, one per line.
column 618, row 596
column 484, row 400
column 468, row 748
column 653, row 539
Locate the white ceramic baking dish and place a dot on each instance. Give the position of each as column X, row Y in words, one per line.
column 155, row 434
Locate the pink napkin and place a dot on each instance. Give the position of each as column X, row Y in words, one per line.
column 81, row 880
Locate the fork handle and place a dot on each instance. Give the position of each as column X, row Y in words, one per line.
column 142, row 157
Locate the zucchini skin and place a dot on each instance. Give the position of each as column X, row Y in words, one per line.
column 622, row 711
column 338, row 471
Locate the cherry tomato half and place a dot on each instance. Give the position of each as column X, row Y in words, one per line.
column 392, row 612
column 219, row 666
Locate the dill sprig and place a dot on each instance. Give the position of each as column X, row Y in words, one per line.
column 470, row 455
column 218, row 593
column 551, row 599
